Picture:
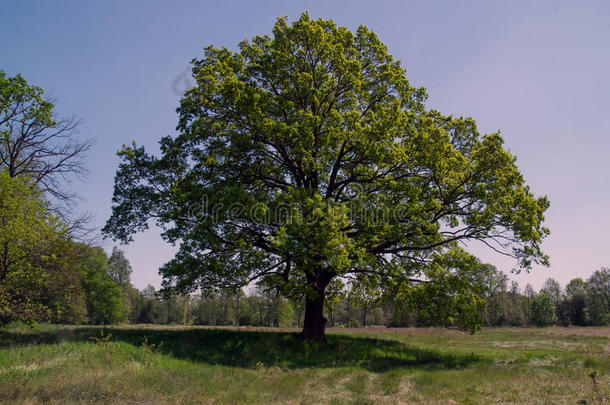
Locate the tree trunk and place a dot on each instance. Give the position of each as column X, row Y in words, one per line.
column 276, row 309
column 237, row 300
column 349, row 312
column 314, row 323
column 261, row 314
column 299, row 313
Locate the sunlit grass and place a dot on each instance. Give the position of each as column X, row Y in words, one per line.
column 202, row 365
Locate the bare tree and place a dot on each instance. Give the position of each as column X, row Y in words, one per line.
column 35, row 142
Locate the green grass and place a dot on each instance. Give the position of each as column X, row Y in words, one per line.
column 146, row 364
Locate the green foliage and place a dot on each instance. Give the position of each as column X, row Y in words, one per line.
column 306, row 156
column 598, row 287
column 543, row 310
column 104, row 296
column 119, row 267
column 584, row 302
column 40, row 274
column 35, row 143
column 506, row 307
column 334, row 295
column 28, row 228
column 362, row 302
column 575, row 300
column 452, row 293
column 227, row 307
column 44, row 275
column 15, row 91
column 553, row 289
column 152, row 310
column 120, row 271
column 64, row 293
column 134, row 303
column 366, row 293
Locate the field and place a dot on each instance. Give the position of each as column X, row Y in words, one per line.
column 158, row 365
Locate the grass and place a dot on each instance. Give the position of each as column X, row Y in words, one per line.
column 157, row 365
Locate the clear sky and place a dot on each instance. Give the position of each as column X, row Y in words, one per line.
column 539, row 71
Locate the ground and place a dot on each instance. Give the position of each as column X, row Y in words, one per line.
column 182, row 365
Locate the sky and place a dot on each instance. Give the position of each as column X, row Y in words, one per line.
column 536, row 71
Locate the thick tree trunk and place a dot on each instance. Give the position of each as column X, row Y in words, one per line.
column 314, row 323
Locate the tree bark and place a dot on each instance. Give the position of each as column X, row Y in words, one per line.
column 314, row 323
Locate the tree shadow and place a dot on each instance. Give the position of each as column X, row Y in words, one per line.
column 251, row 349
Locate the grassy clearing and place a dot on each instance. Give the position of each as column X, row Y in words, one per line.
column 144, row 364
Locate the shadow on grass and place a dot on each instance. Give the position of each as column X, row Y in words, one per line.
column 255, row 348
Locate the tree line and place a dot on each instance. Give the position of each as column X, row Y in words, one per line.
column 581, row 303
column 87, row 286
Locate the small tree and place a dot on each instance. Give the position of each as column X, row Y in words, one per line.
column 119, row 267
column 576, row 300
column 308, row 156
column 496, row 284
column 64, row 293
column 367, row 295
column 553, row 289
column 543, row 310
column 598, row 294
column 103, row 294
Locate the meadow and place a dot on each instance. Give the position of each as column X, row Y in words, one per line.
column 147, row 364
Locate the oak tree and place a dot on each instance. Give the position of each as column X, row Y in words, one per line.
column 305, row 156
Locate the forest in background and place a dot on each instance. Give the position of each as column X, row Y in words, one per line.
column 581, row 303
column 84, row 285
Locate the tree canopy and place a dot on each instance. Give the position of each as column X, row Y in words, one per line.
column 119, row 267
column 307, row 155
column 36, row 142
column 543, row 310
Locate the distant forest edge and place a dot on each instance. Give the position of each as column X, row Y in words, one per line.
column 86, row 286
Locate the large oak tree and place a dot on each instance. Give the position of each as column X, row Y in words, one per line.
column 308, row 156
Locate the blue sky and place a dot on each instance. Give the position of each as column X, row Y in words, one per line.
column 537, row 71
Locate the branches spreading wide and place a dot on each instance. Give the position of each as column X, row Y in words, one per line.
column 308, row 155
column 37, row 144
